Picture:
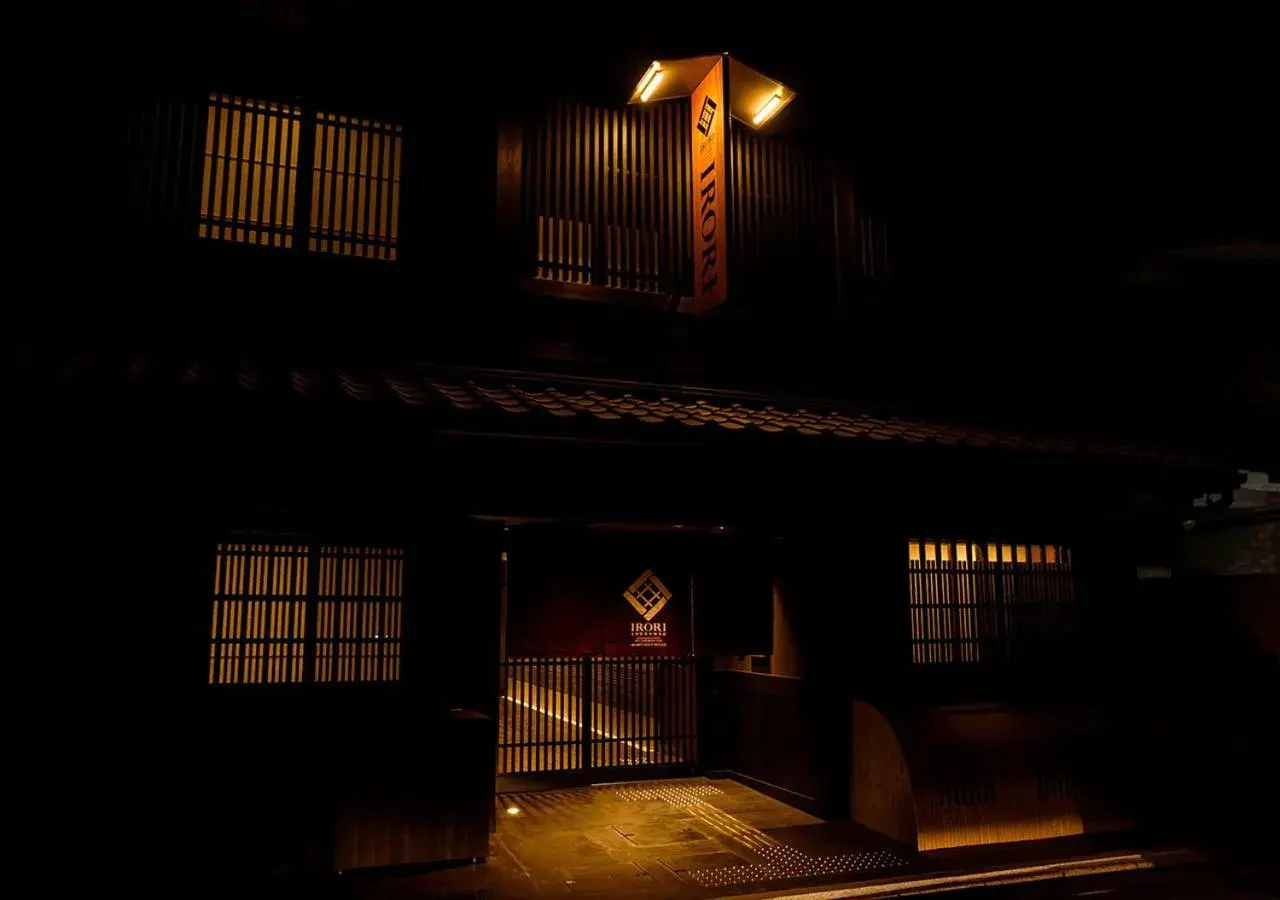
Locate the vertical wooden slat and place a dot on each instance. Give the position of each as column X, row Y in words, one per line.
column 754, row 189
column 686, row 710
column 778, row 235
column 363, row 245
column 741, row 207
column 253, row 218
column 626, row 707
column 522, row 690
column 387, row 189
column 620, row 198
column 581, row 163
column 599, row 174
column 615, row 198
column 620, row 211
column 372, row 229
column 680, row 129
column 624, row 194
column 243, row 173
column 283, row 176
column 630, row 260
column 343, row 139
column 658, row 193
column 354, row 139
column 232, row 183
column 667, row 168
column 616, row 674
column 642, row 749
column 586, row 185
column 218, row 141
column 556, row 153
column 332, row 187
column 640, row 176
column 536, row 718
column 569, row 219
column 600, row 216
column 791, row 186
column 750, row 191
column 291, row 126
column 650, row 265
column 651, row 707
column 607, row 195
column 769, row 188
column 608, row 726
column 544, row 194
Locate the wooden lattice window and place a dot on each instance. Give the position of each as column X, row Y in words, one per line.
column 249, row 188
column 284, row 613
column 259, row 614
column 359, row 614
column 355, row 192
column 984, row 602
column 250, row 171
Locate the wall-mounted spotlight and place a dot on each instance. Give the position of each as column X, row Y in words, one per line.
column 768, row 109
column 649, row 83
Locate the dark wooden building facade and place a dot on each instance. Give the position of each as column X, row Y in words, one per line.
column 397, row 431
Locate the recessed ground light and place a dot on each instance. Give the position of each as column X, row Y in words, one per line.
column 513, row 810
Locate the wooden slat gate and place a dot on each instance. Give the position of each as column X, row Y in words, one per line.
column 588, row 713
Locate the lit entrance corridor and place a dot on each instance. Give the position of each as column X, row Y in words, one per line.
column 692, row 837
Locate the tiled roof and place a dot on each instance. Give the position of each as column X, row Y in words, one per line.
column 699, row 409
column 527, row 402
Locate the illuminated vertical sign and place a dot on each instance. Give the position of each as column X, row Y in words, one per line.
column 710, row 130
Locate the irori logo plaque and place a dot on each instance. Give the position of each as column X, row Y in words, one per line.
column 647, row 595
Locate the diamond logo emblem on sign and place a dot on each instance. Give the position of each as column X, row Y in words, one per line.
column 647, row 595
column 706, row 115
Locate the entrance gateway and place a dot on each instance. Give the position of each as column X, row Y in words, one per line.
column 565, row 714
column 599, row 674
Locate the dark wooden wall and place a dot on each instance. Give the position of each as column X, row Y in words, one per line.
column 881, row 796
column 765, row 729
column 606, row 201
column 783, row 225
column 606, row 197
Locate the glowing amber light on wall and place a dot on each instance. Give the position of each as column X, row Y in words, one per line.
column 767, row 111
column 283, row 614
column 970, row 599
column 649, row 83
column 250, row 171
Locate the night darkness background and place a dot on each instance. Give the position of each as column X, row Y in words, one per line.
column 1087, row 246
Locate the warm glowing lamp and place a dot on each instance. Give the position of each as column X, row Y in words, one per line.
column 768, row 110
column 513, row 810
column 754, row 98
column 649, row 83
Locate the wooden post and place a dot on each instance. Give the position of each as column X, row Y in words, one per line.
column 510, row 185
column 585, row 721
column 304, row 176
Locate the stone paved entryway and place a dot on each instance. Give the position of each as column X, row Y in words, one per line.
column 693, row 837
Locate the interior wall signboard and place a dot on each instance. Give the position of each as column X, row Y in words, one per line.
column 579, row 593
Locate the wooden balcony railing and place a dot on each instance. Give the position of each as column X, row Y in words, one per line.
column 601, row 199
